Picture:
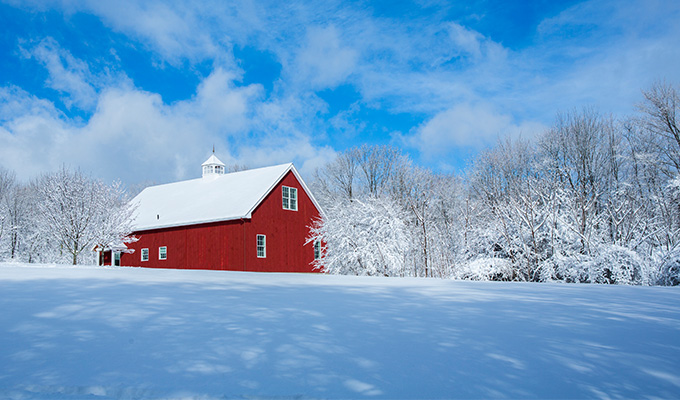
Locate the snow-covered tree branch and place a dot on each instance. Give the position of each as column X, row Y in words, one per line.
column 592, row 199
column 60, row 215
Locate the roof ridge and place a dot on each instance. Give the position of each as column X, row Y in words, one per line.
column 228, row 196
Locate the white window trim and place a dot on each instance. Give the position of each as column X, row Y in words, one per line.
column 283, row 198
column 142, row 254
column 264, row 246
column 160, row 257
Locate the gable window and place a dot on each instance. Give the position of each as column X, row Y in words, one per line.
column 162, row 253
column 289, row 198
column 317, row 249
column 261, row 246
column 145, row 254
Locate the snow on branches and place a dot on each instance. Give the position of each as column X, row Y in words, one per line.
column 60, row 215
column 592, row 200
column 362, row 237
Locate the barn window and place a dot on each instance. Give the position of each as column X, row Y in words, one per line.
column 116, row 258
column 162, row 253
column 289, row 198
column 145, row 254
column 317, row 249
column 261, row 246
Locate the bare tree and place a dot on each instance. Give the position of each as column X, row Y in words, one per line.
column 519, row 201
column 576, row 152
column 591, row 200
column 7, row 185
column 18, row 214
column 236, row 167
column 339, row 177
column 76, row 212
column 377, row 164
column 660, row 110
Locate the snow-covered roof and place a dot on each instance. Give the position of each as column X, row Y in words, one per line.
column 212, row 161
column 224, row 197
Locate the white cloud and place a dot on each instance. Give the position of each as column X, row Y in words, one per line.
column 220, row 105
column 15, row 101
column 167, row 140
column 68, row 75
column 323, row 61
column 599, row 53
column 298, row 149
column 133, row 135
column 466, row 125
column 23, row 118
column 467, row 40
column 175, row 31
column 603, row 20
column 427, row 68
column 467, row 88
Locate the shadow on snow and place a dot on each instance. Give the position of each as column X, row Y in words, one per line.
column 308, row 337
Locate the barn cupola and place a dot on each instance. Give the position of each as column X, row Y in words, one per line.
column 213, row 167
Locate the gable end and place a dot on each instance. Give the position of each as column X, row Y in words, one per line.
column 304, row 187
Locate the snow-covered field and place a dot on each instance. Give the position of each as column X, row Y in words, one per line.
column 91, row 332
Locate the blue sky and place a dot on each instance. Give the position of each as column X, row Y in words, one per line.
column 141, row 90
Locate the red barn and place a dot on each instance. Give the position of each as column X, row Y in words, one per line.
column 253, row 220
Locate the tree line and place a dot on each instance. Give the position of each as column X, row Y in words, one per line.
column 60, row 217
column 593, row 199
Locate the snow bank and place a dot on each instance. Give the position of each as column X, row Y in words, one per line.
column 91, row 332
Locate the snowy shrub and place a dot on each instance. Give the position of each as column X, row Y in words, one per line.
column 616, row 265
column 669, row 274
column 486, row 269
column 547, row 270
column 366, row 237
column 612, row 265
column 571, row 268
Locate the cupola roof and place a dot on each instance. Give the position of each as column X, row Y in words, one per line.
column 212, row 161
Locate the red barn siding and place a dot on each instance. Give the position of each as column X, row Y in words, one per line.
column 231, row 245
